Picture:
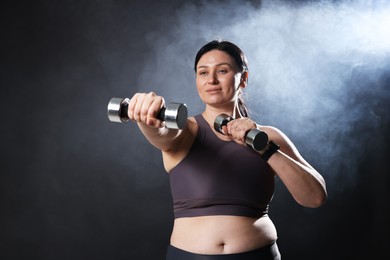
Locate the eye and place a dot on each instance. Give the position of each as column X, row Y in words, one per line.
column 222, row 71
column 202, row 73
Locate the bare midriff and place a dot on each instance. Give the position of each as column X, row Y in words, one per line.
column 222, row 234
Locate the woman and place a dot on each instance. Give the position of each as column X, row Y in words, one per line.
column 221, row 187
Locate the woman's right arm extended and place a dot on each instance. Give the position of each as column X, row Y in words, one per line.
column 143, row 108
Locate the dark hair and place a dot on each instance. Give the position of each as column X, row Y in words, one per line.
column 236, row 53
column 230, row 48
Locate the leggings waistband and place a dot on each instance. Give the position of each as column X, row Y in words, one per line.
column 269, row 252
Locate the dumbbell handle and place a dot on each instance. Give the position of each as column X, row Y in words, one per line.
column 255, row 138
column 174, row 114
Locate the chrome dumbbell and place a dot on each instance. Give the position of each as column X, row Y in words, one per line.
column 174, row 114
column 255, row 138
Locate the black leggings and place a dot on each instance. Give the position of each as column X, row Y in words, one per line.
column 270, row 252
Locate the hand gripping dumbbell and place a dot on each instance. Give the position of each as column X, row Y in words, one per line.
column 255, row 138
column 174, row 114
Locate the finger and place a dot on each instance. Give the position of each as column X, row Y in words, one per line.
column 225, row 130
column 131, row 111
column 236, row 129
column 155, row 107
column 147, row 107
column 153, row 112
column 143, row 113
column 239, row 128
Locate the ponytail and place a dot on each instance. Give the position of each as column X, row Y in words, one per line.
column 242, row 106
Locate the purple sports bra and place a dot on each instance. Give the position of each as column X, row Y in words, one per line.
column 220, row 178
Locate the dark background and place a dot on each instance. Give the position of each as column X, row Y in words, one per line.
column 75, row 186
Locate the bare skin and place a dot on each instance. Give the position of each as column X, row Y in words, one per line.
column 218, row 81
column 222, row 234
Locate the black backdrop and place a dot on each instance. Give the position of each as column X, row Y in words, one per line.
column 75, row 186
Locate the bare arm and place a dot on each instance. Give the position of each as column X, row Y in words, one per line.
column 305, row 184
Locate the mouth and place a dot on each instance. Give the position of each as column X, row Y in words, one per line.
column 213, row 90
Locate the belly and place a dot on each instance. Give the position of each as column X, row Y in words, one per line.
column 222, row 234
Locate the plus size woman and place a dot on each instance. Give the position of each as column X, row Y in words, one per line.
column 221, row 187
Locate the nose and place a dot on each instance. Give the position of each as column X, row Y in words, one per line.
column 213, row 79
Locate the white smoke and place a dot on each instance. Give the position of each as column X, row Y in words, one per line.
column 318, row 70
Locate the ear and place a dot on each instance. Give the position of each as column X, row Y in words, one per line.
column 244, row 79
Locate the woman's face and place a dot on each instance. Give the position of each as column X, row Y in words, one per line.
column 218, row 79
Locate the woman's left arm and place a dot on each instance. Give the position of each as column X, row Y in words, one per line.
column 305, row 184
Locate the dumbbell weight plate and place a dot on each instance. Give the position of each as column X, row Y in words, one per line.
column 175, row 115
column 117, row 110
column 257, row 139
